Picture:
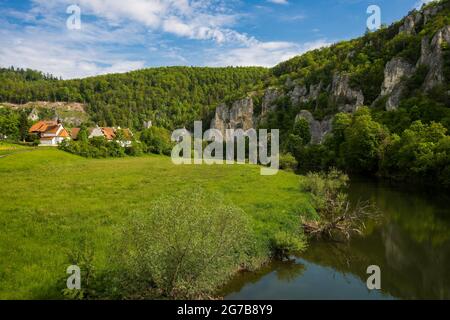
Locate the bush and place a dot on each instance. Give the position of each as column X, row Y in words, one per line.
column 157, row 140
column 186, row 246
column 285, row 244
column 136, row 149
column 288, row 162
column 323, row 186
column 97, row 147
column 337, row 218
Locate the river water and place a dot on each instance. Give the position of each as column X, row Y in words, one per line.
column 411, row 245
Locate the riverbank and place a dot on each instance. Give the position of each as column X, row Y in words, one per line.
column 410, row 244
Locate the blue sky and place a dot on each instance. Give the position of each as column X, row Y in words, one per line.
column 119, row 35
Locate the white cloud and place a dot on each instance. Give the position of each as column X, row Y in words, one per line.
column 119, row 36
column 278, row 1
column 265, row 54
column 198, row 19
column 68, row 55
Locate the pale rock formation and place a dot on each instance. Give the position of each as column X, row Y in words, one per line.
column 348, row 99
column 270, row 98
column 318, row 129
column 298, row 94
column 395, row 71
column 239, row 116
column 410, row 23
column 432, row 57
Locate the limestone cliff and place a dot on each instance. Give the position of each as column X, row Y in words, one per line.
column 239, row 116
column 395, row 72
column 432, row 57
column 318, row 129
column 270, row 98
column 347, row 99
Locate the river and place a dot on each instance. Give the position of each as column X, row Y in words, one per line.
column 411, row 245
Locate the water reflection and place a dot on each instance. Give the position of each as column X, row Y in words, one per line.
column 411, row 245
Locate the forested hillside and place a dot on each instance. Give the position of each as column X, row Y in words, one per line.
column 171, row 97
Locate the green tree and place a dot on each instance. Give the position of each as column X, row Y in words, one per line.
column 364, row 143
column 157, row 140
column 24, row 126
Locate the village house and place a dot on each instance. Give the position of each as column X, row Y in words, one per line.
column 108, row 133
column 50, row 133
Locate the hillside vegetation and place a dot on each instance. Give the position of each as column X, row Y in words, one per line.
column 171, row 97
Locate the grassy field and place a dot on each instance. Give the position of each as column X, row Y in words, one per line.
column 51, row 200
column 9, row 148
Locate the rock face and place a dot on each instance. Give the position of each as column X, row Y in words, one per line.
column 298, row 94
column 410, row 23
column 314, row 91
column 34, row 115
column 239, row 116
column 70, row 113
column 348, row 99
column 318, row 129
column 271, row 96
column 395, row 71
column 432, row 57
column 431, row 12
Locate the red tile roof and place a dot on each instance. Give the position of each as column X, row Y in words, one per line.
column 41, row 126
column 64, row 134
column 109, row 133
column 53, row 128
column 74, row 133
column 127, row 134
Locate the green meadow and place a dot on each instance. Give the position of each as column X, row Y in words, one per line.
column 10, row 148
column 52, row 201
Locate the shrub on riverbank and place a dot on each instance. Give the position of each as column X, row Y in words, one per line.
column 185, row 246
column 337, row 219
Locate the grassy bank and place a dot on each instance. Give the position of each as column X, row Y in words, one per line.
column 51, row 201
column 10, row 148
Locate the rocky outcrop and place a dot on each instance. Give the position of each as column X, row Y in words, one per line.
column 432, row 57
column 239, row 116
column 314, row 91
column 395, row 71
column 298, row 94
column 70, row 113
column 347, row 98
column 318, row 129
column 34, row 115
column 270, row 98
column 431, row 12
column 410, row 23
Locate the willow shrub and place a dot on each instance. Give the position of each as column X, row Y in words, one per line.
column 186, row 246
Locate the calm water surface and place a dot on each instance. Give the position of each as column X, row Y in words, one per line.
column 411, row 245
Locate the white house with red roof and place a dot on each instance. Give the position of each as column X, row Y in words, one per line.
column 51, row 133
column 109, row 133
